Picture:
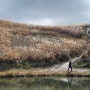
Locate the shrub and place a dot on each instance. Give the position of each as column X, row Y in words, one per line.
column 84, row 55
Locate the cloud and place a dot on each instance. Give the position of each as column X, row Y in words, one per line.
column 41, row 21
column 86, row 13
column 46, row 12
column 86, row 1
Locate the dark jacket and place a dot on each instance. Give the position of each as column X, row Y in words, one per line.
column 70, row 64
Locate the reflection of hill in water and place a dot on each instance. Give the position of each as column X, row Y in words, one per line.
column 44, row 84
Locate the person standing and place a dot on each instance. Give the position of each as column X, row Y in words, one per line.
column 70, row 66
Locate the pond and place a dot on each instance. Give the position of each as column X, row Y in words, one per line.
column 45, row 83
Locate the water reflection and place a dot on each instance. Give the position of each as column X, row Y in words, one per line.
column 46, row 83
column 69, row 82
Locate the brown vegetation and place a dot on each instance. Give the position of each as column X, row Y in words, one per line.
column 43, row 44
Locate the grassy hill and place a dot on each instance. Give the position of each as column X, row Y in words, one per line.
column 28, row 46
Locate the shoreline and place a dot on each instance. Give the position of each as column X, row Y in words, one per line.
column 42, row 72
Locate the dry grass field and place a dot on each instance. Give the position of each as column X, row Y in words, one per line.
column 39, row 45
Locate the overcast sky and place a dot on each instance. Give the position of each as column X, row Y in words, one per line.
column 46, row 12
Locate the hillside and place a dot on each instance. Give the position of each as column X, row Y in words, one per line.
column 25, row 46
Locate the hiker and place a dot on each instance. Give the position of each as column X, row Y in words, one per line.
column 70, row 66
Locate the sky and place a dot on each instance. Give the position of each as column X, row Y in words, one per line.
column 46, row 12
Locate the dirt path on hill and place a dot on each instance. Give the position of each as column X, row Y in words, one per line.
column 65, row 65
column 61, row 67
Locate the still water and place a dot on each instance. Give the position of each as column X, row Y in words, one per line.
column 45, row 83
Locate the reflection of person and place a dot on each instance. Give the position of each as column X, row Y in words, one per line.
column 70, row 66
column 69, row 82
